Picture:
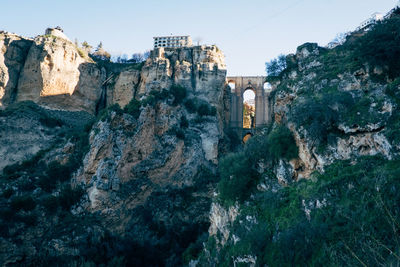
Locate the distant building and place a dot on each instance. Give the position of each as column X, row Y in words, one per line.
column 172, row 41
column 376, row 17
column 57, row 32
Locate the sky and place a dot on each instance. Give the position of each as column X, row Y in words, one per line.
column 249, row 32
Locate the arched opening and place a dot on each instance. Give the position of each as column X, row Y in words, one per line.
column 249, row 109
column 232, row 85
column 246, row 138
column 267, row 87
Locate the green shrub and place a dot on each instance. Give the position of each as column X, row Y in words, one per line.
column 179, row 93
column 51, row 203
column 105, row 113
column 28, row 219
column 51, row 122
column 58, row 171
column 180, row 134
column 69, row 196
column 7, row 193
column 191, row 105
column 281, row 144
column 29, row 166
column 232, row 139
column 272, row 145
column 81, row 53
column 24, row 202
column 204, row 176
column 184, row 123
column 133, row 108
column 47, row 183
column 205, row 109
column 237, row 178
column 154, row 97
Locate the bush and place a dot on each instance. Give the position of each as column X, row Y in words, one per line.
column 232, row 139
column 281, row 144
column 22, row 203
column 184, row 123
column 179, row 133
column 58, row 171
column 27, row 219
column 237, row 178
column 51, row 203
column 272, row 146
column 205, row 109
column 7, row 193
column 47, row 183
column 318, row 116
column 191, row 105
column 133, row 108
column 179, row 93
column 51, row 122
column 69, row 196
column 154, row 97
column 105, row 113
column 29, row 166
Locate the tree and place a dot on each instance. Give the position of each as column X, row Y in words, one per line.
column 100, row 46
column 100, row 53
column 137, row 58
column 86, row 46
column 276, row 66
column 146, row 54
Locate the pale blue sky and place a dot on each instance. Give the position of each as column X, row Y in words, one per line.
column 248, row 32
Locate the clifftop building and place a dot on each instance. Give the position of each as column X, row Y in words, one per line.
column 57, row 31
column 172, row 41
column 371, row 21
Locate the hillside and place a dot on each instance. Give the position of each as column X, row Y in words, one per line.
column 320, row 186
column 110, row 164
column 106, row 163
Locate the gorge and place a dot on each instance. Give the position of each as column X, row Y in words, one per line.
column 144, row 164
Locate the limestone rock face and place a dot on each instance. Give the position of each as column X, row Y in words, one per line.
column 124, row 88
column 13, row 52
column 139, row 164
column 22, row 136
column 201, row 69
column 362, row 135
column 55, row 75
column 221, row 219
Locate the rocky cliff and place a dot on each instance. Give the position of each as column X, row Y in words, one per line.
column 311, row 188
column 142, row 172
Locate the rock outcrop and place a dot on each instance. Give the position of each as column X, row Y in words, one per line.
column 13, row 52
column 147, row 180
column 134, row 164
column 360, row 135
column 57, row 76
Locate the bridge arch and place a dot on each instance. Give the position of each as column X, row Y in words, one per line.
column 249, row 108
column 263, row 106
column 246, row 137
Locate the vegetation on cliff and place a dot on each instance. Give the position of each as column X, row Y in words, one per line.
column 346, row 213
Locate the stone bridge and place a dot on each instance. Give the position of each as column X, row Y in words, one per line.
column 263, row 107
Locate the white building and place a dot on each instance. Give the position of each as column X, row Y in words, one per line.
column 57, row 32
column 172, row 41
column 370, row 21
